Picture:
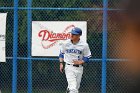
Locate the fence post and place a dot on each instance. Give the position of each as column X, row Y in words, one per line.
column 15, row 47
column 29, row 21
column 104, row 46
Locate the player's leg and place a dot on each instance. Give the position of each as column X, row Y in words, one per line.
column 79, row 77
column 71, row 79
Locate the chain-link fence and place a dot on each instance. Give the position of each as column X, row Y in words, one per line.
column 25, row 74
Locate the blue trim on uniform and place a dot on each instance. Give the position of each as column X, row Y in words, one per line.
column 61, row 55
column 89, row 56
column 85, row 59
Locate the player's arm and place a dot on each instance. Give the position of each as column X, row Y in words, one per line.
column 78, row 62
column 61, row 61
column 84, row 60
column 61, row 57
column 87, row 54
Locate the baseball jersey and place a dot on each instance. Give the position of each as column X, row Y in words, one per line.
column 74, row 51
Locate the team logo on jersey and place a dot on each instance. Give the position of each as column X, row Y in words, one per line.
column 76, row 51
column 53, row 38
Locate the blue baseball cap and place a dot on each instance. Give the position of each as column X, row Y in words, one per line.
column 76, row 31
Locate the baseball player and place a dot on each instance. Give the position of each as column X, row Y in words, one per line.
column 74, row 52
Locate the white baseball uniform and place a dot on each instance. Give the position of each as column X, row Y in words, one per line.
column 74, row 52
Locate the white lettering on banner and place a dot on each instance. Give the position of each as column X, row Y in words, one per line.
column 2, row 36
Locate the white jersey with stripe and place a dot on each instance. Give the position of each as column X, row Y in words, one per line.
column 74, row 51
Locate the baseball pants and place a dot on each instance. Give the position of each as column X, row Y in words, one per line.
column 73, row 75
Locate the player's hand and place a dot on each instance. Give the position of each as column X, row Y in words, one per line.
column 61, row 67
column 78, row 62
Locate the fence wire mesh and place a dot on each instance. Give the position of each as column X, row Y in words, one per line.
column 117, row 80
column 6, row 76
column 6, row 3
column 46, row 77
column 68, row 3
